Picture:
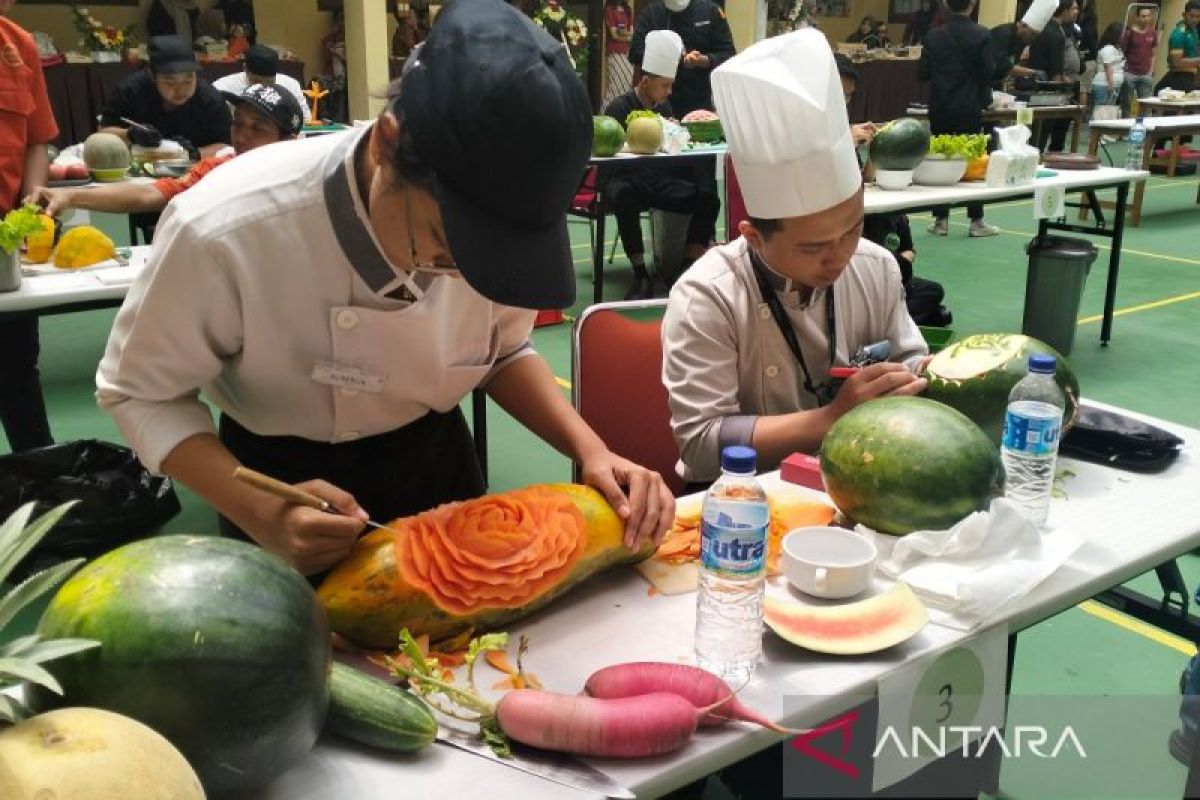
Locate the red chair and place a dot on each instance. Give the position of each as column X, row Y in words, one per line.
column 616, row 383
column 735, row 206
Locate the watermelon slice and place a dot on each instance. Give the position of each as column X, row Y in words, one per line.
column 866, row 626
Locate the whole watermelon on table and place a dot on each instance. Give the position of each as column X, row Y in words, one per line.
column 216, row 644
column 900, row 144
column 608, row 137
column 975, row 376
column 900, row 464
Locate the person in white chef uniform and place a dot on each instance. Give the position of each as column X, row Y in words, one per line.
column 753, row 328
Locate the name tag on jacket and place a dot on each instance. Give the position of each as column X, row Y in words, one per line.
column 343, row 377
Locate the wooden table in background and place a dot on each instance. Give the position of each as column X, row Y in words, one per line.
column 1159, row 127
column 78, row 91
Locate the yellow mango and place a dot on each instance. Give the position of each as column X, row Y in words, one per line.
column 83, row 247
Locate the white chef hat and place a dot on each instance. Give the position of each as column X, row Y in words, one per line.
column 784, row 116
column 663, row 50
column 1039, row 13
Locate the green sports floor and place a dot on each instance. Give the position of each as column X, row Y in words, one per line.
column 1150, row 366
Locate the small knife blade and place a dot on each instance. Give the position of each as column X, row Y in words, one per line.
column 560, row 768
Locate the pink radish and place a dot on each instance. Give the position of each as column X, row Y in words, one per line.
column 699, row 687
column 623, row 727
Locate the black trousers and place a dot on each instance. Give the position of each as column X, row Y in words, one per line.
column 1052, row 137
column 22, row 406
column 974, row 212
column 629, row 197
column 426, row 463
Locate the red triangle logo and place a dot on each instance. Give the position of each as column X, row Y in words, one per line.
column 803, row 743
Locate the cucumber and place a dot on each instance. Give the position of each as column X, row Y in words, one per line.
column 373, row 712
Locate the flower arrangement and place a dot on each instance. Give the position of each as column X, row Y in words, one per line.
column 98, row 37
column 568, row 29
column 788, row 15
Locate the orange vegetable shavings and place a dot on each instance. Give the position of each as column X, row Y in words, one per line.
column 514, row 677
column 449, row 653
column 497, row 551
column 682, row 543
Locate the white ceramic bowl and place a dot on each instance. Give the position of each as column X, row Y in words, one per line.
column 939, row 171
column 828, row 562
column 893, row 178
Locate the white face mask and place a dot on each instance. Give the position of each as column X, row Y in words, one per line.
column 677, row 5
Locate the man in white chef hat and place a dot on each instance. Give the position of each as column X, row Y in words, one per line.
column 753, row 329
column 1010, row 39
column 642, row 187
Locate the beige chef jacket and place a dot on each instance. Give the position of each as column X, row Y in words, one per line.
column 267, row 290
column 725, row 362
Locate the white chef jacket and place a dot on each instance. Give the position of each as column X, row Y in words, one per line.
column 266, row 289
column 725, row 362
column 236, row 82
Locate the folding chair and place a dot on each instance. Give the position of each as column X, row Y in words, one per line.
column 616, row 383
column 588, row 204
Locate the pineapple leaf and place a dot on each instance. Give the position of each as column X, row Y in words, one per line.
column 17, row 538
column 18, row 646
column 12, row 709
column 57, row 648
column 34, row 587
column 27, row 670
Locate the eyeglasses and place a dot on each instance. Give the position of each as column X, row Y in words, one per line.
column 432, row 269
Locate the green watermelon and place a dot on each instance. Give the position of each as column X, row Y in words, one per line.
column 900, row 144
column 608, row 137
column 216, row 644
column 900, row 464
column 976, row 374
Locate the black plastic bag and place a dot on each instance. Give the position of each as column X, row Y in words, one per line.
column 1116, row 440
column 120, row 500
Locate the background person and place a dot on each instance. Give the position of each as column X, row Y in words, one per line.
column 262, row 115
column 707, row 43
column 1110, row 74
column 958, row 62
column 618, row 27
column 1138, row 44
column 27, row 125
column 262, row 67
column 631, row 192
column 168, row 100
column 1183, row 51
column 1009, row 41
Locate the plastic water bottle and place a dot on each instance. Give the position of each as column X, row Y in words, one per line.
column 1137, row 140
column 1029, row 448
column 733, row 556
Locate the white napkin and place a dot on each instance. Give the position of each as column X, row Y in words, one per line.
column 967, row 574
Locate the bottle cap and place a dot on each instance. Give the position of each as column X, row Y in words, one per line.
column 1043, row 363
column 740, row 459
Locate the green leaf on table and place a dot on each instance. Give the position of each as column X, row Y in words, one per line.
column 17, row 224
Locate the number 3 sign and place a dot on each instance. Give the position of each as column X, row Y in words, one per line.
column 939, row 704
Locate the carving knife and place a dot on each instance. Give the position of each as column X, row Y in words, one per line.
column 560, row 768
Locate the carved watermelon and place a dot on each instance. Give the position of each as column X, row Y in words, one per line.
column 976, row 374
column 852, row 628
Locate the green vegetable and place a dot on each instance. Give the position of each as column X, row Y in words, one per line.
column 376, row 713
column 17, row 224
column 900, row 144
column 965, row 146
column 639, row 114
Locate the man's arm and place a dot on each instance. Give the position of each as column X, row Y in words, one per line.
column 117, row 198
column 37, row 165
column 1175, row 58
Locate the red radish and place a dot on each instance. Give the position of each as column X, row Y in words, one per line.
column 624, row 727
column 699, row 687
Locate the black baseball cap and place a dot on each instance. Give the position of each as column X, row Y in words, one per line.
column 498, row 114
column 171, row 54
column 274, row 102
column 262, row 60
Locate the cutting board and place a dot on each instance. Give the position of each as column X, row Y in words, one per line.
column 669, row 578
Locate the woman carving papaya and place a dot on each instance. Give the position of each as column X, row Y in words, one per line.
column 337, row 297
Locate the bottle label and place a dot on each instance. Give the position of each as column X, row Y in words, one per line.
column 733, row 549
column 1036, row 436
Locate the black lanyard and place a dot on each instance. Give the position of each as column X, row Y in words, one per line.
column 784, row 324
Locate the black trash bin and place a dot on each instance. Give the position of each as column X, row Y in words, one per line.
column 1058, row 268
